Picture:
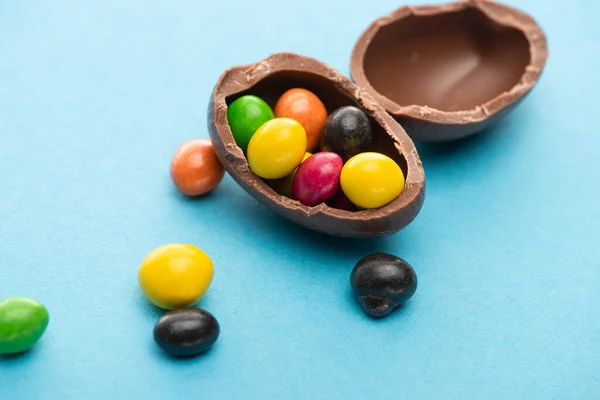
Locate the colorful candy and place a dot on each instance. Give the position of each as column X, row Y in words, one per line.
column 382, row 282
column 305, row 107
column 175, row 275
column 347, row 132
column 186, row 332
column 195, row 168
column 371, row 180
column 245, row 115
column 23, row 321
column 277, row 148
column 318, row 178
column 285, row 185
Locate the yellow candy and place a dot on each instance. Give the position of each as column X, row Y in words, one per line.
column 175, row 275
column 371, row 180
column 277, row 148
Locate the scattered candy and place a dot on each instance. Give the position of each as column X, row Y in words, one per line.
column 305, row 107
column 318, row 178
column 347, row 132
column 23, row 321
column 186, row 332
column 195, row 168
column 285, row 185
column 382, row 282
column 371, row 180
column 245, row 115
column 277, row 148
column 175, row 275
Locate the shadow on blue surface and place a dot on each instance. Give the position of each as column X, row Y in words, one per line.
column 150, row 309
column 18, row 357
column 193, row 199
column 317, row 242
column 463, row 148
column 245, row 210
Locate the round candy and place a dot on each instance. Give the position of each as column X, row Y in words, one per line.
column 175, row 275
column 371, row 180
column 195, row 168
column 245, row 115
column 284, row 186
column 347, row 132
column 305, row 107
column 318, row 178
column 186, row 332
column 382, row 282
column 277, row 148
column 23, row 321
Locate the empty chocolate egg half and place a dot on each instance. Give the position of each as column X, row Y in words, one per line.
column 269, row 79
column 448, row 71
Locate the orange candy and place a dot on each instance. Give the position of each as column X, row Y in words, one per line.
column 305, row 107
column 195, row 168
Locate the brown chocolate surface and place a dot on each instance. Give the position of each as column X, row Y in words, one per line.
column 269, row 79
column 448, row 71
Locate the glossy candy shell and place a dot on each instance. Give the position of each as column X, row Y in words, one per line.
column 305, row 107
column 23, row 321
column 245, row 116
column 318, row 178
column 371, row 180
column 347, row 132
column 186, row 332
column 277, row 148
column 382, row 282
column 195, row 168
column 175, row 275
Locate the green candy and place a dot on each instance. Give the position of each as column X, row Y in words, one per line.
column 245, row 115
column 22, row 323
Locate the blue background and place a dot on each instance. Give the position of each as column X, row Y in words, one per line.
column 95, row 96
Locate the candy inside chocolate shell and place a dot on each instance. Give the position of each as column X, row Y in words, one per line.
column 269, row 79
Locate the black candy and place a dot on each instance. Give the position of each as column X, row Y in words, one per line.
column 347, row 132
column 382, row 282
column 186, row 332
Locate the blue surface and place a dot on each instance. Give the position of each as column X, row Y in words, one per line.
column 95, row 96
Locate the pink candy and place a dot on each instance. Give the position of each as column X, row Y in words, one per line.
column 318, row 178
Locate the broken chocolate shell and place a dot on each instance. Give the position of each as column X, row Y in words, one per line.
column 448, row 71
column 269, row 79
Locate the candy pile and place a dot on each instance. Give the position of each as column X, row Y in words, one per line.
column 314, row 157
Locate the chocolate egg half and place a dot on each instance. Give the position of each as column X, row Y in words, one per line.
column 272, row 77
column 448, row 71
